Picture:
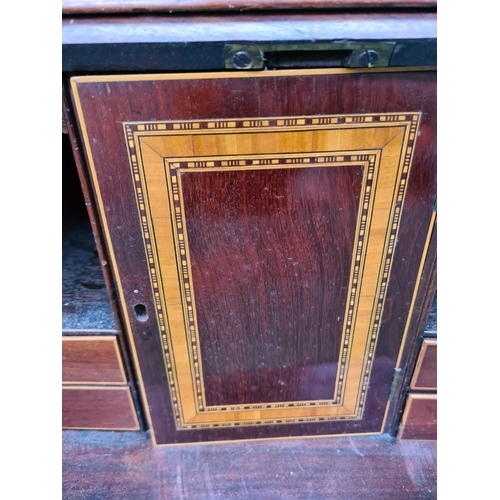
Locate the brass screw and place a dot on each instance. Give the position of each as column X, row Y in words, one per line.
column 242, row 60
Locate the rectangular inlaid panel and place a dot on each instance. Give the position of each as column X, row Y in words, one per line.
column 106, row 408
column 254, row 248
column 425, row 375
column 419, row 420
column 94, row 360
column 325, row 322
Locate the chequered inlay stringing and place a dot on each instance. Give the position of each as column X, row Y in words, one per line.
column 172, row 170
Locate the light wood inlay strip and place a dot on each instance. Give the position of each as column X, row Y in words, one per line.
column 249, row 74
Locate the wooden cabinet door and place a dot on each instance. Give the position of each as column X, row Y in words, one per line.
column 266, row 232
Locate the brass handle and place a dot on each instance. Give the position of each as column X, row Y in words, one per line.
column 307, row 55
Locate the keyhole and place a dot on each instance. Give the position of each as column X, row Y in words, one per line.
column 140, row 312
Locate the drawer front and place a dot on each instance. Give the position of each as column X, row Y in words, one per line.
column 261, row 242
column 419, row 418
column 107, row 408
column 425, row 375
column 92, row 360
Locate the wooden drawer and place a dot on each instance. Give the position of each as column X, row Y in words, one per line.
column 92, row 360
column 419, row 418
column 425, row 375
column 106, row 408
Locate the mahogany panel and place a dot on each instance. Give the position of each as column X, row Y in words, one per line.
column 107, row 104
column 92, row 360
column 270, row 256
column 132, row 6
column 420, row 418
column 98, row 408
column 425, row 376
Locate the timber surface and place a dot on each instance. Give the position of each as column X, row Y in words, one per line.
column 87, row 407
column 100, row 464
column 92, row 360
column 184, row 99
column 247, row 26
column 425, row 376
column 73, row 7
column 420, row 417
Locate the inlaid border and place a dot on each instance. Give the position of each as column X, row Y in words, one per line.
column 370, row 163
column 303, row 123
column 244, row 125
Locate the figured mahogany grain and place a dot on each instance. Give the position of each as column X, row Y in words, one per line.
column 270, row 255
